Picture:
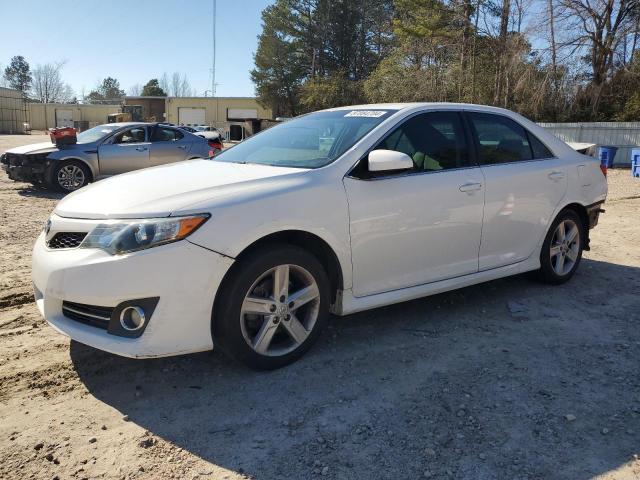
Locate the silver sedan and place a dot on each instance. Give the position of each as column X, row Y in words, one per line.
column 103, row 151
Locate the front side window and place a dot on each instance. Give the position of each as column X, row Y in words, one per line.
column 133, row 135
column 96, row 133
column 310, row 141
column 434, row 141
column 501, row 140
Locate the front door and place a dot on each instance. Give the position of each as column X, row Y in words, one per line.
column 524, row 184
column 419, row 226
column 126, row 151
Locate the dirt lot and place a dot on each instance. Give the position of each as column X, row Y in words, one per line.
column 506, row 380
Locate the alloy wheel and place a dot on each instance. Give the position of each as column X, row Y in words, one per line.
column 280, row 310
column 70, row 177
column 565, row 247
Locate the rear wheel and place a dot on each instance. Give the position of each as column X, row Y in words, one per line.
column 70, row 175
column 562, row 249
column 272, row 307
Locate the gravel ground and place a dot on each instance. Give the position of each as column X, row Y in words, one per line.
column 507, row 380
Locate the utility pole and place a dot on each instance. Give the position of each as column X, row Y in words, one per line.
column 213, row 58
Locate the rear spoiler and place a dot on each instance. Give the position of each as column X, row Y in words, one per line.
column 585, row 148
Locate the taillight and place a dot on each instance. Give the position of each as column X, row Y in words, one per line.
column 603, row 169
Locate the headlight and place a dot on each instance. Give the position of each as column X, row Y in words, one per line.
column 129, row 236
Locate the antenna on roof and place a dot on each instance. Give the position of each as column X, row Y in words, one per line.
column 213, row 59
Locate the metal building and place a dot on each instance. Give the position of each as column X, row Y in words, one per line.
column 236, row 117
column 82, row 117
column 624, row 135
column 13, row 111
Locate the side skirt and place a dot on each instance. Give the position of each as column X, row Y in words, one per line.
column 346, row 303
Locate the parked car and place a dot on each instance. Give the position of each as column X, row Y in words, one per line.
column 205, row 128
column 340, row 210
column 102, row 151
column 212, row 137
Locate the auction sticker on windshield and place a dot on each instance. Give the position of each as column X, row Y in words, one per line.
column 366, row 113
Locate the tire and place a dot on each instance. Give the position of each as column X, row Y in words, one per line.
column 272, row 338
column 69, row 175
column 560, row 257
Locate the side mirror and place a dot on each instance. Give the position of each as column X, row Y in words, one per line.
column 386, row 160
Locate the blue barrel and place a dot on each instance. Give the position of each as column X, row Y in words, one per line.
column 606, row 154
column 635, row 162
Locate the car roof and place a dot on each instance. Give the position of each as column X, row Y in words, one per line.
column 123, row 124
column 134, row 124
column 412, row 105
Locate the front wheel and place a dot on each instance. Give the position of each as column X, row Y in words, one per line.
column 272, row 307
column 562, row 249
column 70, row 175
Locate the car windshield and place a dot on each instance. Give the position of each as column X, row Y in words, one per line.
column 96, row 133
column 310, row 141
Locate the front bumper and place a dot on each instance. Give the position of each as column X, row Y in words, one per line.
column 25, row 168
column 184, row 276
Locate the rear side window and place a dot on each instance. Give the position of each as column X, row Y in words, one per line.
column 434, row 141
column 161, row 134
column 539, row 149
column 500, row 139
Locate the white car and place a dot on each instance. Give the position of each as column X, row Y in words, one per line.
column 341, row 210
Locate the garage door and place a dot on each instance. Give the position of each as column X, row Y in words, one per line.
column 241, row 113
column 191, row 116
column 64, row 118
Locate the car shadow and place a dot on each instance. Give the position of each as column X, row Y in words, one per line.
column 508, row 379
column 40, row 192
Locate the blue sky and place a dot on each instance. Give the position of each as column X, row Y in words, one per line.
column 135, row 40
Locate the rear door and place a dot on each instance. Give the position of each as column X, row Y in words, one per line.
column 168, row 145
column 124, row 152
column 524, row 184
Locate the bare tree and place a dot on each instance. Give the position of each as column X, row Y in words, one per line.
column 135, row 90
column 163, row 81
column 598, row 28
column 177, row 85
column 502, row 46
column 48, row 86
column 185, row 87
column 3, row 81
column 174, row 88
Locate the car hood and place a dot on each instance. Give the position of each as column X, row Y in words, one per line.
column 164, row 190
column 44, row 147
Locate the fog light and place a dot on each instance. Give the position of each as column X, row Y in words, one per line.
column 132, row 318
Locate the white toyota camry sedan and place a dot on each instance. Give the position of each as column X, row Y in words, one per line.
column 337, row 211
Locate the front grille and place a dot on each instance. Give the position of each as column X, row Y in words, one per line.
column 15, row 159
column 66, row 240
column 88, row 314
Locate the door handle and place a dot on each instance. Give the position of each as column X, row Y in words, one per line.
column 141, row 149
column 470, row 187
column 182, row 147
column 556, row 176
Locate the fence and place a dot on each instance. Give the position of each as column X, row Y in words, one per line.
column 624, row 135
column 13, row 111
